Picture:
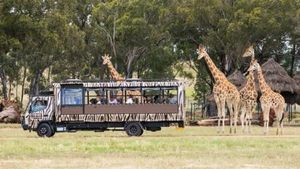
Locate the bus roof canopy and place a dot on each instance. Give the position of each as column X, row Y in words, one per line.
column 123, row 84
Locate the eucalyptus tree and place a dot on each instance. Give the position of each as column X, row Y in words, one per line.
column 132, row 31
column 9, row 44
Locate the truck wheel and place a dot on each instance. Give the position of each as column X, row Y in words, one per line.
column 134, row 129
column 44, row 129
column 52, row 132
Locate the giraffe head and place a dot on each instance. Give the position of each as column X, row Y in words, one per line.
column 249, row 52
column 106, row 59
column 254, row 66
column 201, row 51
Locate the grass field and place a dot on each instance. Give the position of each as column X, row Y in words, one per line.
column 193, row 147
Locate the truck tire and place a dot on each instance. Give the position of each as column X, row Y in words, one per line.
column 134, row 129
column 45, row 130
column 52, row 131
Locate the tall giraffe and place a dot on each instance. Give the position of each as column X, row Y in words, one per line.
column 224, row 92
column 269, row 100
column 248, row 94
column 113, row 72
column 117, row 77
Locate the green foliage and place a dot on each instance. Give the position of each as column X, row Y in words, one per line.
column 145, row 38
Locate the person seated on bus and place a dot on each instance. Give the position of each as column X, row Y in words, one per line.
column 38, row 106
column 156, row 99
column 129, row 100
column 99, row 100
column 113, row 100
column 172, row 99
column 93, row 101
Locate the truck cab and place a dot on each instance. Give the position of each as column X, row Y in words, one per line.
column 39, row 110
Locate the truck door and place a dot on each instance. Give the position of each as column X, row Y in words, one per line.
column 41, row 107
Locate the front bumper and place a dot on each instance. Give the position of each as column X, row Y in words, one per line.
column 24, row 126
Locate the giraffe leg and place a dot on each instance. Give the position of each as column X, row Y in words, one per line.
column 278, row 122
column 267, row 122
column 231, row 121
column 251, row 114
column 236, row 112
column 281, row 123
column 266, row 110
column 242, row 118
column 222, row 102
column 231, row 115
column 246, row 124
column 219, row 121
column 280, row 116
column 249, row 123
column 217, row 100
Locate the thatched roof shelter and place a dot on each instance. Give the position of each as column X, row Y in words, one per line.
column 277, row 78
column 297, row 79
column 237, row 78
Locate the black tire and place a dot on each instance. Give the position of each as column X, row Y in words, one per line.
column 45, row 130
column 141, row 132
column 134, row 129
column 52, row 132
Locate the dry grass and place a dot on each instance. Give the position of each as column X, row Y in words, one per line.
column 193, row 147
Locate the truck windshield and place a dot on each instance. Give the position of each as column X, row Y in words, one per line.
column 38, row 105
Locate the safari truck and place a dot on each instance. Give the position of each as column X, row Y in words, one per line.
column 131, row 106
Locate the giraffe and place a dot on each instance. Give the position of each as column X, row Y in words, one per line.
column 248, row 95
column 225, row 93
column 269, row 100
column 113, row 72
column 117, row 77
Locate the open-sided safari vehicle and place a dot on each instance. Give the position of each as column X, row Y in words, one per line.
column 133, row 106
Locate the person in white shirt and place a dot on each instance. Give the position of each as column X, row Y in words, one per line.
column 129, row 100
column 172, row 99
column 113, row 100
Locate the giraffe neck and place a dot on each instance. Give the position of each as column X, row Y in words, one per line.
column 218, row 76
column 115, row 75
column 250, row 81
column 264, row 87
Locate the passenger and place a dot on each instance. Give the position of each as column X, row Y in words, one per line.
column 172, row 99
column 113, row 100
column 93, row 101
column 129, row 100
column 38, row 106
column 99, row 100
column 156, row 99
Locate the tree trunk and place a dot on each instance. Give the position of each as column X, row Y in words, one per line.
column 227, row 64
column 131, row 56
column 23, row 85
column 102, row 70
column 16, row 96
column 49, row 76
column 4, row 83
column 293, row 53
column 9, row 90
column 34, row 86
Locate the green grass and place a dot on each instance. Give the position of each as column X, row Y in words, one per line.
column 193, row 147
